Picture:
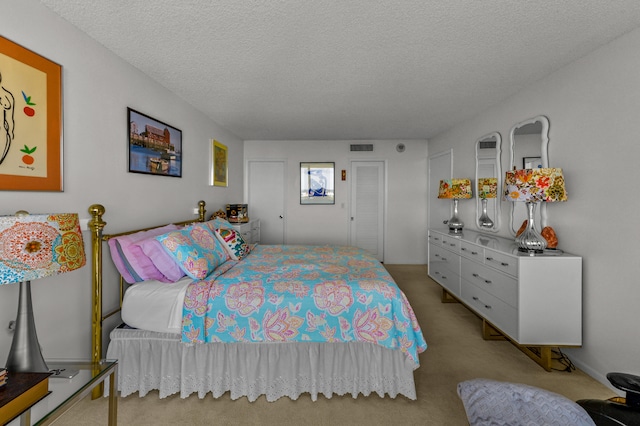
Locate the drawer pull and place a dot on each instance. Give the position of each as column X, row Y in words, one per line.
column 483, row 279
column 491, row 259
column 444, row 259
column 463, row 248
column 478, row 300
column 436, row 255
column 474, row 253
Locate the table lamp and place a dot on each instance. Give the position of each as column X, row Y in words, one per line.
column 487, row 188
column 455, row 189
column 32, row 247
column 534, row 186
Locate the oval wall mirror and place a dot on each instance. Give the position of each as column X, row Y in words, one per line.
column 488, row 182
column 529, row 150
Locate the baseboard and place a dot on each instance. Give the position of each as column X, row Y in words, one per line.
column 588, row 370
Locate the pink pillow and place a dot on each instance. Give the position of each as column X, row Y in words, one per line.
column 141, row 265
column 161, row 259
column 119, row 261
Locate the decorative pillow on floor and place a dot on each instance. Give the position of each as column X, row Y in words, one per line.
column 233, row 242
column 195, row 249
column 489, row 402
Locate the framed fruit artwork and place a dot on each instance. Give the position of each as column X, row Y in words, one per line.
column 31, row 120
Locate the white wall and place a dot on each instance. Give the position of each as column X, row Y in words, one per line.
column 593, row 106
column 405, row 236
column 97, row 89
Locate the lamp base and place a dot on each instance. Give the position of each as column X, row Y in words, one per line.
column 530, row 241
column 455, row 224
column 484, row 220
column 24, row 355
column 455, row 230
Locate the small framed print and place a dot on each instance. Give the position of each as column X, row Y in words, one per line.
column 531, row 162
column 31, row 120
column 155, row 148
column 219, row 164
column 317, row 182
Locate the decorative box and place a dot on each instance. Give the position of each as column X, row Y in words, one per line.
column 237, row 213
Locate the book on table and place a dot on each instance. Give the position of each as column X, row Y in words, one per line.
column 21, row 392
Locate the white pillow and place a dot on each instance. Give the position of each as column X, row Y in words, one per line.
column 233, row 242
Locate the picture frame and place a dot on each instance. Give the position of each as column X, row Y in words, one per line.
column 31, row 120
column 219, row 164
column 531, row 162
column 155, row 148
column 317, row 183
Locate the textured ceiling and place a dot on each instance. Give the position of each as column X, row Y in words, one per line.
column 347, row 69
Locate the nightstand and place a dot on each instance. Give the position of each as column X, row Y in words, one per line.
column 250, row 231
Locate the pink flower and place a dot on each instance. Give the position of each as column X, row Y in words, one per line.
column 333, row 296
column 370, row 326
column 281, row 325
column 245, row 297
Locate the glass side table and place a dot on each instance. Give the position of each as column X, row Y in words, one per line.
column 65, row 393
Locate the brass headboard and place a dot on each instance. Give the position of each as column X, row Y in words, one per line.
column 96, row 225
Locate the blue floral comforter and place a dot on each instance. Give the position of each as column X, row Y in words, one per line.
column 302, row 293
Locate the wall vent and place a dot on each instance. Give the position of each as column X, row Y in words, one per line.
column 487, row 145
column 362, row 147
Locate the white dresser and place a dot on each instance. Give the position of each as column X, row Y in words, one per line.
column 250, row 231
column 534, row 301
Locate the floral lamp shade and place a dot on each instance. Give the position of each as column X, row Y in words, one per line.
column 34, row 246
column 455, row 189
column 487, row 187
column 535, row 185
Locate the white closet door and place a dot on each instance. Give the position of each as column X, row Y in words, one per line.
column 265, row 198
column 367, row 207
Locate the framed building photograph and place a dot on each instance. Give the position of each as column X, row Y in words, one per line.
column 155, row 148
column 31, row 120
column 317, row 183
column 219, row 164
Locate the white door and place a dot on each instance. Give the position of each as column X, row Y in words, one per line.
column 440, row 167
column 367, row 207
column 265, row 198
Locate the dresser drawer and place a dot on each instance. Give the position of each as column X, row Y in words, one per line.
column 499, row 285
column 447, row 260
column 446, row 278
column 451, row 243
column 501, row 261
column 491, row 308
column 435, row 237
column 472, row 251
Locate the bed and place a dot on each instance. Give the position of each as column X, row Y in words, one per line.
column 252, row 320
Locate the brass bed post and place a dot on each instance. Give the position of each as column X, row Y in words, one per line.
column 201, row 211
column 96, row 224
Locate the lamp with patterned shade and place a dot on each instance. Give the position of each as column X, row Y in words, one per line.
column 487, row 188
column 533, row 186
column 455, row 189
column 33, row 247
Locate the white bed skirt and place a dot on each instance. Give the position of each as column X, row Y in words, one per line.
column 150, row 360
